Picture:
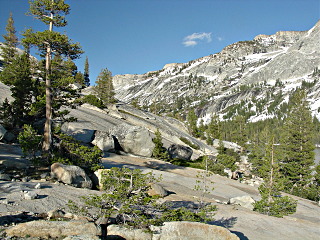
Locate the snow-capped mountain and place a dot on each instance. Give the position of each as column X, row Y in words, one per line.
column 256, row 75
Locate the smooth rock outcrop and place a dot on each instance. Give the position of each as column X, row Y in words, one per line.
column 116, row 232
column 53, row 229
column 71, row 175
column 180, row 152
column 173, row 231
column 193, row 230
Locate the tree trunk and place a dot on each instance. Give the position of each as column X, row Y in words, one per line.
column 47, row 141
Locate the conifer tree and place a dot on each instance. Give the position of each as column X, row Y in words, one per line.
column 159, row 151
column 86, row 73
column 104, row 87
column 10, row 42
column 50, row 43
column 18, row 76
column 272, row 203
column 297, row 144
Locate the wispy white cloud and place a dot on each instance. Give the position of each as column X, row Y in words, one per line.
column 220, row 39
column 195, row 38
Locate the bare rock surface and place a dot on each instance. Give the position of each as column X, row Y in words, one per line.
column 179, row 181
column 53, row 229
column 191, row 231
column 174, row 231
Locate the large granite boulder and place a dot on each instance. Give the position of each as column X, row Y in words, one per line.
column 193, row 230
column 173, row 231
column 180, row 151
column 104, row 141
column 54, row 229
column 134, row 139
column 71, row 175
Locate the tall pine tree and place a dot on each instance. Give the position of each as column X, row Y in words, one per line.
column 49, row 43
column 297, row 144
column 272, row 203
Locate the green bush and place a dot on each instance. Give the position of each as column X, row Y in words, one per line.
column 278, row 207
column 227, row 161
column 126, row 199
column 30, row 141
column 93, row 100
column 82, row 156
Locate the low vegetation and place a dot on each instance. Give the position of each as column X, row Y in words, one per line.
column 126, row 201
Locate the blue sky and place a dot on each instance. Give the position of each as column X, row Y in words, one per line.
column 137, row 36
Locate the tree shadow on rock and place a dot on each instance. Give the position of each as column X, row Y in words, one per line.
column 240, row 235
column 225, row 222
column 162, row 165
column 18, row 218
column 114, row 237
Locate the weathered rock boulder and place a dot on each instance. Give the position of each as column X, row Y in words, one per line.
column 244, row 201
column 157, row 190
column 71, row 175
column 116, row 232
column 30, row 195
column 98, row 177
column 53, row 229
column 3, row 132
column 173, row 231
column 180, row 151
column 104, row 141
column 134, row 139
column 193, row 230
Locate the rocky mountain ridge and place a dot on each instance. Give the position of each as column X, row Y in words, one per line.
column 244, row 71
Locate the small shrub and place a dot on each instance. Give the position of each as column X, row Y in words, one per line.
column 278, row 207
column 126, row 199
column 30, row 141
column 93, row 100
column 77, row 154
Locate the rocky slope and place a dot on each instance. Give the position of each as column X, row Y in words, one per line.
column 179, row 181
column 244, row 71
